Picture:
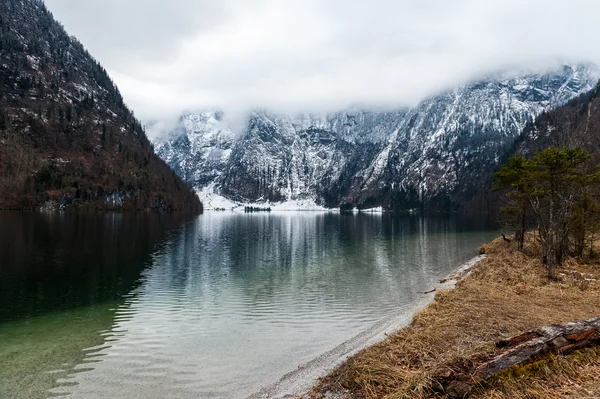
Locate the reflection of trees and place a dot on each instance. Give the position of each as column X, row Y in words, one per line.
column 66, row 273
column 287, row 283
column 58, row 261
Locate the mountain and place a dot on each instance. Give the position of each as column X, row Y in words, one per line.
column 436, row 154
column 66, row 136
column 574, row 124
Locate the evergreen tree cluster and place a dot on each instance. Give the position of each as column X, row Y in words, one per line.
column 556, row 193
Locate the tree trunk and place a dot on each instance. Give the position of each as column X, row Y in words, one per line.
column 521, row 238
column 550, row 259
column 525, row 348
column 557, row 338
column 550, row 236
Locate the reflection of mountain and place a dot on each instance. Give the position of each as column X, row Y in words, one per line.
column 236, row 300
column 61, row 278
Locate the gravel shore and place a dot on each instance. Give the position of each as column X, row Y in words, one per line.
column 299, row 381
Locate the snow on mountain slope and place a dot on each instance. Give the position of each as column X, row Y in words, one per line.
column 198, row 149
column 438, row 152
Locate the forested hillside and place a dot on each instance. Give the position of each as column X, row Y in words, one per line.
column 67, row 139
column 576, row 124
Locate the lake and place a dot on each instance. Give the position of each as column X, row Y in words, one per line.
column 215, row 306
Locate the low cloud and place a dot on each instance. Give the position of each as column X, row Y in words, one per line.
column 313, row 55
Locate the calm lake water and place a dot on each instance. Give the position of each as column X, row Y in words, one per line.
column 217, row 306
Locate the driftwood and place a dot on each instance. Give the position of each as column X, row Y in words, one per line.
column 523, row 349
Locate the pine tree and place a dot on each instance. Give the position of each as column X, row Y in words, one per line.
column 584, row 221
column 512, row 176
column 551, row 184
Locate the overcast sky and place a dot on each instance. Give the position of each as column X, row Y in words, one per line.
column 311, row 55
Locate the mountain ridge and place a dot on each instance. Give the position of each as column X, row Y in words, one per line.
column 436, row 154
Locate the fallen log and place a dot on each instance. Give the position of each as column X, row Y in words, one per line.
column 525, row 348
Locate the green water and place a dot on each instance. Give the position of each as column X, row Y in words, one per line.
column 39, row 353
column 61, row 278
column 120, row 306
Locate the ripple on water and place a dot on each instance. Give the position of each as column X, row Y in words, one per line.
column 232, row 302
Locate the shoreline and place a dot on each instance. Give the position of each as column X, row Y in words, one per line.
column 298, row 382
column 507, row 297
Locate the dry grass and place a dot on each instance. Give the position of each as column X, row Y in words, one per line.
column 576, row 376
column 507, row 294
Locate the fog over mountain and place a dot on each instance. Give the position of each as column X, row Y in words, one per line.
column 309, row 55
column 437, row 155
column 400, row 104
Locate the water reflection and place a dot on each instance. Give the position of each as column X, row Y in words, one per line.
column 234, row 300
column 58, row 261
column 123, row 306
column 61, row 278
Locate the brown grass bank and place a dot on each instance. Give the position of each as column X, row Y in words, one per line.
column 507, row 293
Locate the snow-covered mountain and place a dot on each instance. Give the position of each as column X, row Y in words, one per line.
column 437, row 153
